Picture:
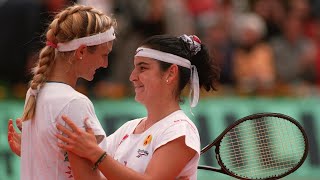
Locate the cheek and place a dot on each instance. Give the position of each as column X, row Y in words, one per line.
column 87, row 67
column 153, row 83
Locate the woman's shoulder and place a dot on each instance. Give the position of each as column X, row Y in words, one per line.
column 61, row 91
column 178, row 116
column 179, row 120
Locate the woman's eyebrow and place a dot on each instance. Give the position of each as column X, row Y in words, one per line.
column 141, row 63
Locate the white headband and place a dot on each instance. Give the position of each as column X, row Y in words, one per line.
column 171, row 58
column 96, row 39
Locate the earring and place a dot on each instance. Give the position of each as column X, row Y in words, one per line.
column 81, row 57
column 167, row 81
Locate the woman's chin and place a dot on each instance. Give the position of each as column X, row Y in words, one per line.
column 138, row 99
column 88, row 78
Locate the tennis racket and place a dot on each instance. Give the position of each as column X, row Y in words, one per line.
column 260, row 146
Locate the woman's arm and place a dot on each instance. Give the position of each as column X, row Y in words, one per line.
column 169, row 160
column 82, row 168
column 166, row 163
column 78, row 109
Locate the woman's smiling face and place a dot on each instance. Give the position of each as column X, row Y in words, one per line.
column 93, row 61
column 148, row 80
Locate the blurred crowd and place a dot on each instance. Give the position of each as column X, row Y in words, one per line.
column 264, row 47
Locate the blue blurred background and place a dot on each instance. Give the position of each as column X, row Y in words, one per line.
column 269, row 51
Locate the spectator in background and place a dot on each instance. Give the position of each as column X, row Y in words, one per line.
column 317, row 44
column 308, row 13
column 301, row 10
column 201, row 11
column 294, row 53
column 217, row 34
column 253, row 66
column 220, row 44
column 272, row 12
column 178, row 19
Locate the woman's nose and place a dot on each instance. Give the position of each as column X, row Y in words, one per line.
column 133, row 75
column 105, row 62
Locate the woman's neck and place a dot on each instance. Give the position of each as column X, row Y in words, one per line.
column 160, row 111
column 156, row 111
column 60, row 73
column 61, row 79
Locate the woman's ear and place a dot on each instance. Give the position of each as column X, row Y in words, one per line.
column 81, row 52
column 172, row 73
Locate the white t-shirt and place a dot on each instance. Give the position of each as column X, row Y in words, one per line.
column 41, row 158
column 136, row 150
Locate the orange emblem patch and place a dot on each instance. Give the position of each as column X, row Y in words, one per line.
column 147, row 140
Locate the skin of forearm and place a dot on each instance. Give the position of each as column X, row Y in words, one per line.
column 113, row 170
column 82, row 168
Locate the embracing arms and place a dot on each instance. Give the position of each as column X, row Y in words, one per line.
column 166, row 163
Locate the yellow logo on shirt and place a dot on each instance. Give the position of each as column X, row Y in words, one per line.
column 147, row 140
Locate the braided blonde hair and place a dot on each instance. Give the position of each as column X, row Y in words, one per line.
column 71, row 23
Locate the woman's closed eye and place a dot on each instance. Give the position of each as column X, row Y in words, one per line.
column 141, row 68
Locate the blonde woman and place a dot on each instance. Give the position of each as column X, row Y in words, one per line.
column 79, row 40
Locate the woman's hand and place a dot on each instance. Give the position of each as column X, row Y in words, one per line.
column 14, row 138
column 77, row 141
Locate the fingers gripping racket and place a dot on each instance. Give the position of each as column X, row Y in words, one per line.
column 260, row 146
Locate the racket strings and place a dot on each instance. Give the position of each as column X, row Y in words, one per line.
column 232, row 135
column 263, row 159
column 253, row 149
column 248, row 141
column 238, row 149
column 260, row 148
column 265, row 136
column 286, row 162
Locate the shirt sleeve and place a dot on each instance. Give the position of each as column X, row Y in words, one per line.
column 177, row 129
